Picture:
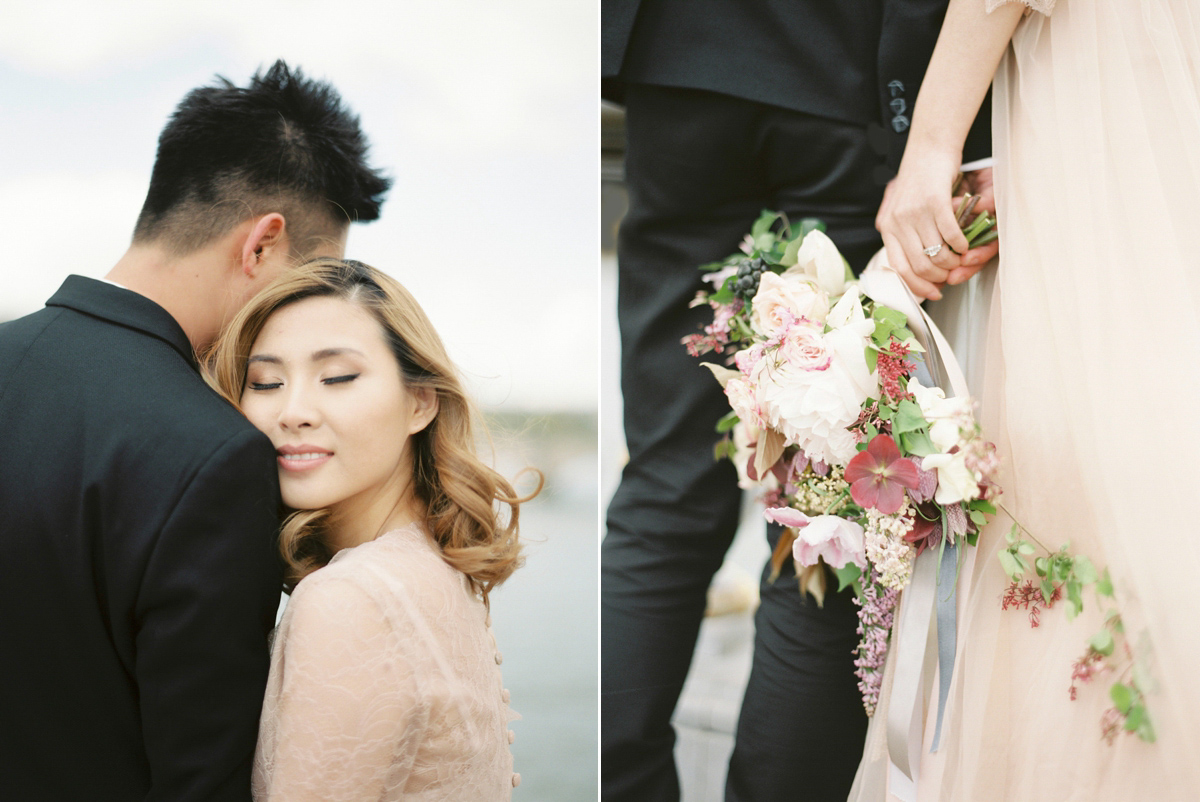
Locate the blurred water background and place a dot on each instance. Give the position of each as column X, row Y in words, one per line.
column 485, row 115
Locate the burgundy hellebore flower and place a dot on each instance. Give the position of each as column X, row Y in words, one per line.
column 879, row 475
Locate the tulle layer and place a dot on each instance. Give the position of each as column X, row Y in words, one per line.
column 1089, row 388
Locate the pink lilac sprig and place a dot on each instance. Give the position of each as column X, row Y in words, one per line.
column 877, row 608
column 715, row 336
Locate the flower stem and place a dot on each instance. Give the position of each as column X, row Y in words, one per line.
column 837, row 502
column 1023, row 528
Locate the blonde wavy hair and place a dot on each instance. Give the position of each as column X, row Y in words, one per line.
column 463, row 499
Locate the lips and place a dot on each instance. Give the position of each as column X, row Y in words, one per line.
column 302, row 457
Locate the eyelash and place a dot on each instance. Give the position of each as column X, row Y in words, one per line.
column 332, row 380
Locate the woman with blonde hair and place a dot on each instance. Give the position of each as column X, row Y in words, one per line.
column 385, row 679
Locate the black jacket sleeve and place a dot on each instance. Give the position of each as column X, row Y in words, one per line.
column 910, row 31
column 206, row 605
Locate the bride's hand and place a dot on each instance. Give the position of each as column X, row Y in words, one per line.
column 918, row 213
column 978, row 182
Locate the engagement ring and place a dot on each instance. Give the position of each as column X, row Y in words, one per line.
column 933, row 250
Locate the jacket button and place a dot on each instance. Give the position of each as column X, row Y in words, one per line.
column 900, row 123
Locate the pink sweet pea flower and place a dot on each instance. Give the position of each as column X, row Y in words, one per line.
column 836, row 540
column 879, row 475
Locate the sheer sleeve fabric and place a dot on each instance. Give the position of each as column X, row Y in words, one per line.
column 346, row 713
column 385, row 685
column 1040, row 6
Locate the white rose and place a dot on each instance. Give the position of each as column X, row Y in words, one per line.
column 820, row 260
column 956, row 482
column 849, row 310
column 783, row 298
column 946, row 416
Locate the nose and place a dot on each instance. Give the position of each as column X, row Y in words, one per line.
column 298, row 410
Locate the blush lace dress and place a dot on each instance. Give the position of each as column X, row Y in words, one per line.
column 385, row 684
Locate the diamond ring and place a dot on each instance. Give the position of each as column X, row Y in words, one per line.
column 933, row 250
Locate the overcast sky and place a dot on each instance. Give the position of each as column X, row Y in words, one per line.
column 485, row 113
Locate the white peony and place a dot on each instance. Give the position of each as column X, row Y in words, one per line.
column 812, row 401
column 780, row 299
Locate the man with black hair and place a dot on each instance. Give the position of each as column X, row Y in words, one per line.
column 140, row 576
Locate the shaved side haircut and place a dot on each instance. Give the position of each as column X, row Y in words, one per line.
column 283, row 144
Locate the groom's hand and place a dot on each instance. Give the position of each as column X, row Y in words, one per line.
column 978, row 182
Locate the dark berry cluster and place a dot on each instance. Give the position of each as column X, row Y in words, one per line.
column 749, row 272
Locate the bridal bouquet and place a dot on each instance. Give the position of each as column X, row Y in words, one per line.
column 864, row 465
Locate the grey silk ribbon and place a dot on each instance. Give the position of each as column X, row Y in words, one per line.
column 947, row 603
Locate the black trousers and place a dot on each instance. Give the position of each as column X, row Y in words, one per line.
column 699, row 168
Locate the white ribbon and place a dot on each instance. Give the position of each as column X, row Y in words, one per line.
column 905, row 716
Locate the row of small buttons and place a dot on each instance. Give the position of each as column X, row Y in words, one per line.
column 505, row 696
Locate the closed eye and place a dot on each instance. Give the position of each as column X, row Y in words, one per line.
column 341, row 379
column 265, row 386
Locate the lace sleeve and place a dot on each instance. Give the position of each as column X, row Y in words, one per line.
column 1040, row 6
column 349, row 714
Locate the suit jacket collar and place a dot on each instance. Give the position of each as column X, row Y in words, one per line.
column 123, row 307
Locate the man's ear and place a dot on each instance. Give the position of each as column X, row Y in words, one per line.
column 425, row 408
column 269, row 233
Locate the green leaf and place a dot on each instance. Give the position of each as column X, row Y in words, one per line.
column 1074, row 595
column 1146, row 730
column 724, row 449
column 916, row 444
column 886, row 412
column 763, row 242
column 808, row 224
column 908, row 418
column 1102, row 642
column 790, row 253
column 1009, row 563
column 1011, row 537
column 847, row 575
column 1136, row 717
column 1085, row 572
column 972, row 538
column 762, row 225
column 871, row 431
column 1042, row 566
column 872, row 358
column 727, row 422
column 1122, row 697
column 885, row 314
column 1025, row 547
column 984, row 506
column 1047, row 590
column 724, row 295
column 978, row 518
column 1104, row 585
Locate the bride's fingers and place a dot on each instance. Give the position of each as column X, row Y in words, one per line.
column 919, row 286
column 974, row 260
column 921, row 261
column 947, row 226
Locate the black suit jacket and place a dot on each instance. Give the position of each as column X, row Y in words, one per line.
column 138, row 569
column 861, row 61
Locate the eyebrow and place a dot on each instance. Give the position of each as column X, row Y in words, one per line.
column 324, row 353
